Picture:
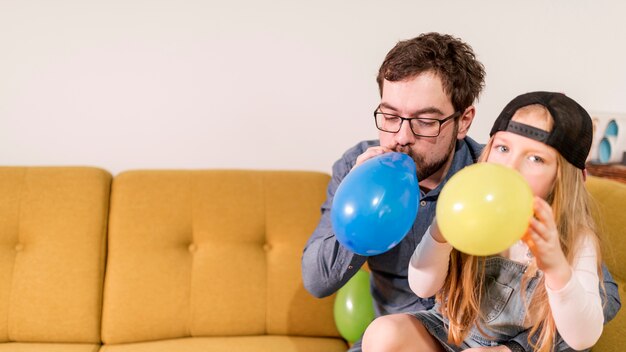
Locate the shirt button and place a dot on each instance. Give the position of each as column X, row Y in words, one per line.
column 423, row 203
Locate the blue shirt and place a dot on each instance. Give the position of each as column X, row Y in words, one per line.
column 327, row 265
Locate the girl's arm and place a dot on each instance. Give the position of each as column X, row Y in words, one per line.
column 577, row 308
column 428, row 266
column 573, row 292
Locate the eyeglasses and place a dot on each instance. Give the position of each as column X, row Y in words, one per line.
column 421, row 127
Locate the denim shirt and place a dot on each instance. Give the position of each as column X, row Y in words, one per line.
column 503, row 305
column 327, row 265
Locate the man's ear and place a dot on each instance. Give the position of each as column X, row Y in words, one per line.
column 465, row 121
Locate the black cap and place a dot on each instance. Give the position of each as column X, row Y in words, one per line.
column 571, row 134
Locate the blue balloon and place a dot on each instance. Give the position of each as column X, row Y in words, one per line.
column 376, row 203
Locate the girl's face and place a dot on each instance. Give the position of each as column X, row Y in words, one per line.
column 537, row 162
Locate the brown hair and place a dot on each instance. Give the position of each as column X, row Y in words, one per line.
column 463, row 76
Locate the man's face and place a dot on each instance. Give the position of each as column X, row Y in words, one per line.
column 420, row 96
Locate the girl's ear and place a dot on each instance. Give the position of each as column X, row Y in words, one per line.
column 465, row 121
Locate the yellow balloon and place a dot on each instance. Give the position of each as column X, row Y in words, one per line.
column 484, row 209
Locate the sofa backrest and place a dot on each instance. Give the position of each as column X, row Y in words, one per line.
column 211, row 253
column 52, row 251
column 609, row 200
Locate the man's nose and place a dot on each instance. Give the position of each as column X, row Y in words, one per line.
column 405, row 135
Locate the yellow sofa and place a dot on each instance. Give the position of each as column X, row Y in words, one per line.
column 610, row 214
column 159, row 261
column 181, row 260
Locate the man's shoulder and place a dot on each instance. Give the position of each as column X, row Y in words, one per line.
column 472, row 144
column 472, row 148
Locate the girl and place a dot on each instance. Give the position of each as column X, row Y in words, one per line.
column 547, row 283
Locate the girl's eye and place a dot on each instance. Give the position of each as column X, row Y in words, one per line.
column 536, row 159
column 501, row 148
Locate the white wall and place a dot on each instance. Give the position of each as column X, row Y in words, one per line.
column 266, row 84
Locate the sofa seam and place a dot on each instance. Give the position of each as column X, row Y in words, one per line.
column 104, row 252
column 12, row 289
column 267, row 271
column 190, row 317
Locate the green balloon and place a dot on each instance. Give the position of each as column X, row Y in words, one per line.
column 354, row 307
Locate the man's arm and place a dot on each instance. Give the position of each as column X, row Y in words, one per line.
column 326, row 264
column 611, row 304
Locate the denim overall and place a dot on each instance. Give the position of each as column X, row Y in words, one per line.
column 502, row 304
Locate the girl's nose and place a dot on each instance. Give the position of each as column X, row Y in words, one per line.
column 513, row 163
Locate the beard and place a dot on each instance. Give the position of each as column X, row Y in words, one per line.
column 426, row 169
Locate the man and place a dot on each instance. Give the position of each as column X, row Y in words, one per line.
column 428, row 86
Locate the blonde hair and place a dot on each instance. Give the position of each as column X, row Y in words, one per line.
column 462, row 291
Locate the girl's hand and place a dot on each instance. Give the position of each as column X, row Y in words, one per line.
column 370, row 153
column 543, row 240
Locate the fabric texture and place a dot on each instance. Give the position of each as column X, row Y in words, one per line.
column 48, row 347
column 610, row 198
column 230, row 344
column 52, row 253
column 211, row 253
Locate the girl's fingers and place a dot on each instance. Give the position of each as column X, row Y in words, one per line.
column 543, row 221
column 539, row 229
column 527, row 238
column 543, row 211
column 535, row 238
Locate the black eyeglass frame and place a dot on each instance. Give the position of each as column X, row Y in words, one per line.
column 402, row 119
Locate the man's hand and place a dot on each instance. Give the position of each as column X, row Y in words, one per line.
column 370, row 153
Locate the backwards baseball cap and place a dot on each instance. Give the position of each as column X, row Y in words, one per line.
column 571, row 134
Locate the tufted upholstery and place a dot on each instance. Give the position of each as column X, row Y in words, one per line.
column 211, row 253
column 52, row 251
column 195, row 261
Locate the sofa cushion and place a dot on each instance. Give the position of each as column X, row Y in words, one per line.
column 211, row 253
column 48, row 347
column 230, row 344
column 52, row 249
